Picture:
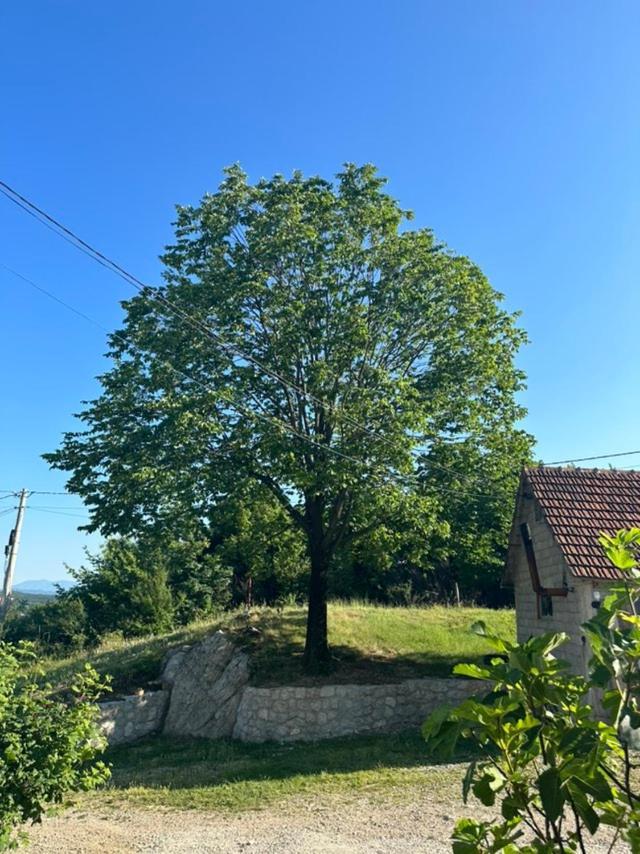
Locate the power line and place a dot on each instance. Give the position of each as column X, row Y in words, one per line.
column 63, row 231
column 54, row 507
column 131, row 279
column 54, row 297
column 403, row 479
column 168, row 364
column 43, row 492
column 13, row 492
column 61, row 513
column 78, row 242
column 588, row 459
column 238, row 407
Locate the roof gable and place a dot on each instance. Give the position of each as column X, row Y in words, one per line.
column 579, row 505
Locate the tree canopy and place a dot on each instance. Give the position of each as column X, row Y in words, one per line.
column 305, row 342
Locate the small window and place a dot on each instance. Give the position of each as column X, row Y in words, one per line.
column 546, row 606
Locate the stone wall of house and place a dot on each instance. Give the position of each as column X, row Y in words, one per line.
column 133, row 717
column 291, row 713
column 205, row 693
column 568, row 612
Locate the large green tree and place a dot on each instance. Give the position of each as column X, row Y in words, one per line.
column 306, row 340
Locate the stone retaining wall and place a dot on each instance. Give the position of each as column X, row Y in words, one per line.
column 205, row 693
column 127, row 720
column 328, row 711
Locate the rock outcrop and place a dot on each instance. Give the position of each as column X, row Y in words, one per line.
column 207, row 687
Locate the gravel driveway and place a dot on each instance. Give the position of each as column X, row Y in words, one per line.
column 330, row 827
column 412, row 821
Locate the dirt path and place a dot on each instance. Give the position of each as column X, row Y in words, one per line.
column 353, row 825
column 332, row 828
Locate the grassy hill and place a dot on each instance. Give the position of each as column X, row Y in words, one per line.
column 370, row 644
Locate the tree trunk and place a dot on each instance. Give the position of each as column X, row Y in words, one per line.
column 316, row 649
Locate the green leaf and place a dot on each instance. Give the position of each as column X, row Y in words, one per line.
column 479, row 628
column 620, row 554
column 600, row 675
column 486, row 787
column 549, row 786
column 584, row 809
column 474, row 671
column 433, row 724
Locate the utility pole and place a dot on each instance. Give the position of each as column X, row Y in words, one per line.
column 11, row 554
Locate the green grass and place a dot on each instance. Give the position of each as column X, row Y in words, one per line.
column 230, row 776
column 369, row 643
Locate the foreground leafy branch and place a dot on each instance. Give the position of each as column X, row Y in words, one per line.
column 48, row 743
column 554, row 750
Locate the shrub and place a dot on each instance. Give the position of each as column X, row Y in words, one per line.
column 539, row 749
column 57, row 626
column 48, row 744
column 124, row 592
column 556, row 769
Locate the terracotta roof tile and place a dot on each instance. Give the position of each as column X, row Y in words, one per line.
column 579, row 505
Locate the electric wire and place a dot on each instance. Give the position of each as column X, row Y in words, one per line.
column 51, row 222
column 400, row 478
column 168, row 364
column 54, row 297
column 589, row 459
column 10, row 493
column 404, row 479
column 56, row 507
column 61, row 513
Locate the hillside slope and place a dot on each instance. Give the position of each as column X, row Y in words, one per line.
column 370, row 644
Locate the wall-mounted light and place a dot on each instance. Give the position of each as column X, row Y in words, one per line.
column 595, row 603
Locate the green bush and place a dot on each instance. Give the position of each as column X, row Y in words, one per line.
column 48, row 743
column 122, row 591
column 130, row 587
column 556, row 770
column 57, row 626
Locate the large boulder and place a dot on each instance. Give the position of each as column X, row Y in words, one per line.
column 171, row 666
column 208, row 682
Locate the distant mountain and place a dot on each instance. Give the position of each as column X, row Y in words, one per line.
column 41, row 586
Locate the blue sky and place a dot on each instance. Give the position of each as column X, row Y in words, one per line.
column 510, row 128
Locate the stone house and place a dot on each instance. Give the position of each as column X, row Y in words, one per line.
column 555, row 562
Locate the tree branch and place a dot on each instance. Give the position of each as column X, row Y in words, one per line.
column 281, row 496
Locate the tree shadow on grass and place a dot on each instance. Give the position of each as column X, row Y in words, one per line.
column 161, row 762
column 276, row 658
